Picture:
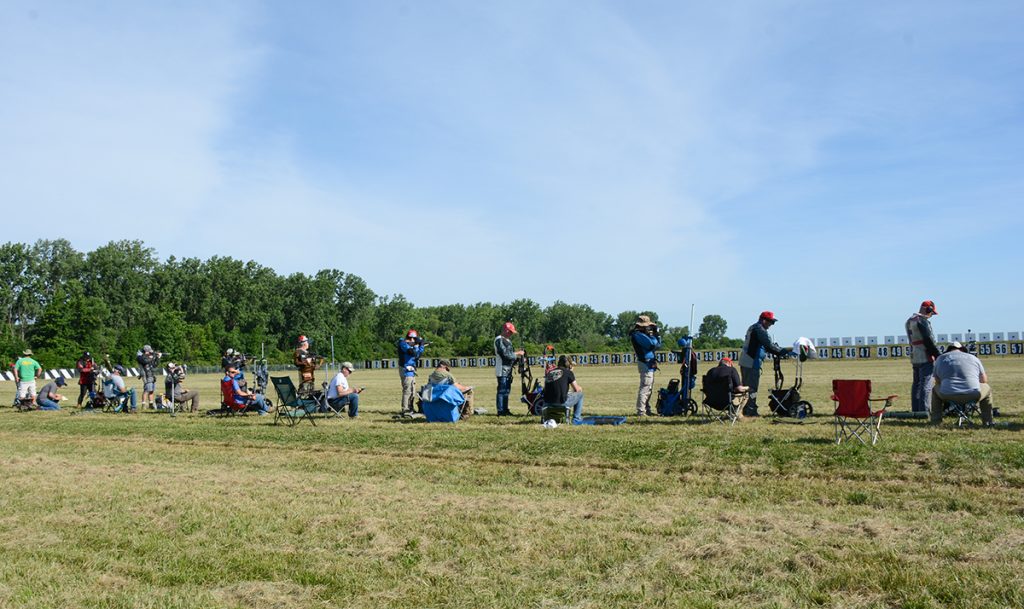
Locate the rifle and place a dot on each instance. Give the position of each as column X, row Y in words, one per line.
column 523, row 362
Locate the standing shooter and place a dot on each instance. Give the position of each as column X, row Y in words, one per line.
column 148, row 361
column 923, row 353
column 755, row 346
column 410, row 349
column 307, row 363
column 504, row 358
column 645, row 339
column 86, row 376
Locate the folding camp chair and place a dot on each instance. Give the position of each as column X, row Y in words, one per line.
column 853, row 414
column 228, row 406
column 290, row 407
column 964, row 411
column 719, row 402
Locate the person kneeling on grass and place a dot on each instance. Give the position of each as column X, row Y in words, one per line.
column 48, row 397
column 557, row 382
column 442, row 375
column 339, row 394
column 237, row 398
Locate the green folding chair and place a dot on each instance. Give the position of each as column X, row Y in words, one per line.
column 289, row 406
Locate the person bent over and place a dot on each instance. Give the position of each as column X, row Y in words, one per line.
column 340, row 395
column 49, row 398
column 960, row 377
column 442, row 375
column 557, row 383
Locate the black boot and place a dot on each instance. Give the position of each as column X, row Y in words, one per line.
column 750, row 409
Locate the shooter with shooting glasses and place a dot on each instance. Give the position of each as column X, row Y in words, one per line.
column 410, row 349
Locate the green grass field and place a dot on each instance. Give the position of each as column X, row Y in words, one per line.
column 104, row 510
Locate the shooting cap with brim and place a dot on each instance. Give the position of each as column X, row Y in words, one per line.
column 27, row 352
column 725, row 360
column 955, row 345
column 769, row 316
column 928, row 306
column 444, row 362
column 347, row 365
column 642, row 321
column 60, row 381
column 509, row 327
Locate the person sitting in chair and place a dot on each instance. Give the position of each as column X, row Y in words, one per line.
column 557, row 382
column 722, row 385
column 174, row 384
column 960, row 377
column 728, row 375
column 442, row 375
column 114, row 389
column 239, row 399
column 339, row 394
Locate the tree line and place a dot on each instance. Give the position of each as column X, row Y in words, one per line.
column 112, row 300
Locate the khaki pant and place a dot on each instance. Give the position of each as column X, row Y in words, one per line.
column 643, row 393
column 467, row 406
column 983, row 398
column 408, row 392
column 188, row 396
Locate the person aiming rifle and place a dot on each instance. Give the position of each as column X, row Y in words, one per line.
column 148, row 360
column 646, row 339
column 307, row 362
column 410, row 349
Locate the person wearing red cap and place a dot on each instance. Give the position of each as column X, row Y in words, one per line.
column 504, row 358
column 923, row 352
column 728, row 375
column 755, row 346
column 410, row 349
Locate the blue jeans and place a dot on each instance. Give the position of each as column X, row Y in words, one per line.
column 575, row 401
column 120, row 398
column 921, row 390
column 504, row 388
column 351, row 400
column 47, row 404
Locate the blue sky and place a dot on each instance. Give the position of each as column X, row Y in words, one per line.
column 836, row 162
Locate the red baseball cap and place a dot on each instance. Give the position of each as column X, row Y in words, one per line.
column 509, row 327
column 769, row 316
column 726, row 360
column 929, row 307
column 411, row 334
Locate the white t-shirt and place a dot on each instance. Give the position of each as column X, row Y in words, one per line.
column 339, row 382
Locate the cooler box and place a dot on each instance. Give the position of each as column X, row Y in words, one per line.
column 440, row 412
column 553, row 413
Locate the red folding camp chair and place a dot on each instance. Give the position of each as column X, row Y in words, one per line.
column 854, row 416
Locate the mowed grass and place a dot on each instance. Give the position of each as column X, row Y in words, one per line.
column 104, row 510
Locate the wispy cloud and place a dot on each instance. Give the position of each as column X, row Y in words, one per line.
column 741, row 156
